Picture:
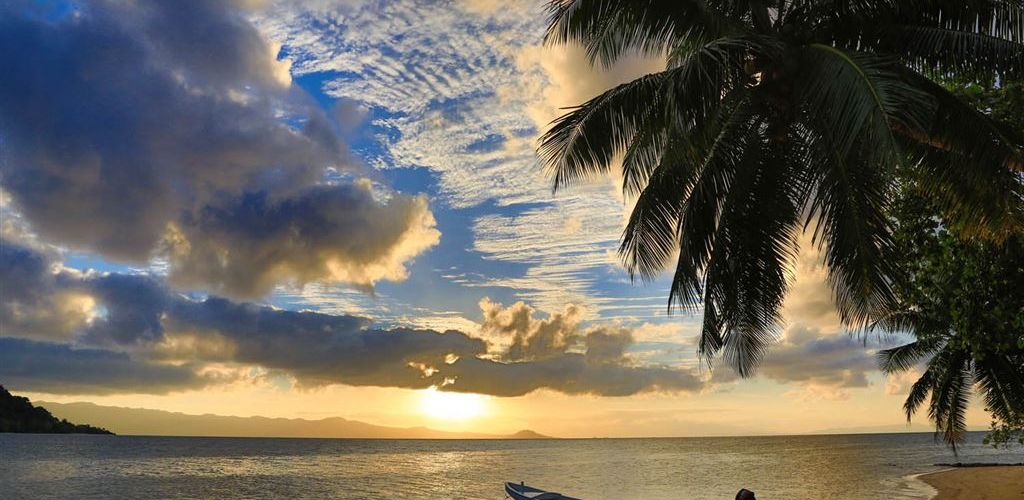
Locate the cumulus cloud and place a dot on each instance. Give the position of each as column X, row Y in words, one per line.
column 333, row 233
column 807, row 355
column 129, row 124
column 137, row 321
column 899, row 384
column 35, row 300
column 557, row 353
column 143, row 331
column 529, row 337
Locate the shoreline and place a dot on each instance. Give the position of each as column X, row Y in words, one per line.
column 976, row 483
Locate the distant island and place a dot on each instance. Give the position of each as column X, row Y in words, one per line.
column 528, row 434
column 138, row 421
column 17, row 414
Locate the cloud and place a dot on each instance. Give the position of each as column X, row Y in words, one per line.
column 463, row 89
column 126, row 124
column 806, row 355
column 28, row 365
column 516, row 349
column 144, row 330
column 36, row 301
column 570, row 78
column 329, row 233
column 568, row 373
column 530, row 338
column 815, row 351
column 556, row 353
column 810, row 299
column 899, row 384
column 564, row 264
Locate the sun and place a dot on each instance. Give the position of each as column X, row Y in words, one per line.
column 444, row 405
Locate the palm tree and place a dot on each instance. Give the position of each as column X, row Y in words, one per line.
column 778, row 117
column 962, row 300
column 951, row 370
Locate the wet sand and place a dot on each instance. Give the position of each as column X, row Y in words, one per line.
column 978, row 483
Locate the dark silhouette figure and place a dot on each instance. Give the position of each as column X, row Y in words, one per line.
column 745, row 494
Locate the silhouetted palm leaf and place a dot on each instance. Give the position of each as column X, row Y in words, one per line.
column 770, row 120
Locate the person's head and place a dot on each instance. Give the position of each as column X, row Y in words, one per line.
column 745, row 494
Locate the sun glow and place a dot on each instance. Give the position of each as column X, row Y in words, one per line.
column 445, row 405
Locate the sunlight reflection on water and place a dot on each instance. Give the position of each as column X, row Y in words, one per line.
column 850, row 467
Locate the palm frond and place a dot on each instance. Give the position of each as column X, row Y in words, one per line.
column 642, row 156
column 970, row 165
column 748, row 271
column 851, row 102
column 651, row 234
column 950, row 394
column 608, row 29
column 973, row 35
column 582, row 143
column 943, row 51
column 720, row 156
column 1002, row 384
column 904, row 357
column 1002, row 19
column 919, row 392
column 688, row 178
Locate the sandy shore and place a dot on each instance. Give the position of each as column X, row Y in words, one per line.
column 978, row 483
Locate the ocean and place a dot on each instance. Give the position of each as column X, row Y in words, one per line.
column 783, row 467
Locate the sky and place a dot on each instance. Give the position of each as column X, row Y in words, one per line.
column 335, row 208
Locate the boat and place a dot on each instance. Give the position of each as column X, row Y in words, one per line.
column 523, row 492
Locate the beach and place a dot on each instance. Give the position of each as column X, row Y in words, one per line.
column 978, row 483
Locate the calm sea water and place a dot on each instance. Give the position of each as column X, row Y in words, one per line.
column 848, row 467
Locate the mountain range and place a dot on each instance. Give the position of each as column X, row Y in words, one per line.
column 137, row 421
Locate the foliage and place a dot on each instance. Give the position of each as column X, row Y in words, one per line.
column 1004, row 433
column 17, row 414
column 962, row 298
column 773, row 118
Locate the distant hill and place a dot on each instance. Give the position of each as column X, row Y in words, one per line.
column 137, row 421
column 18, row 415
column 528, row 434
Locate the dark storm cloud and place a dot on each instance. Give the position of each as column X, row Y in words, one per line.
column 28, row 365
column 144, row 326
column 124, row 119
